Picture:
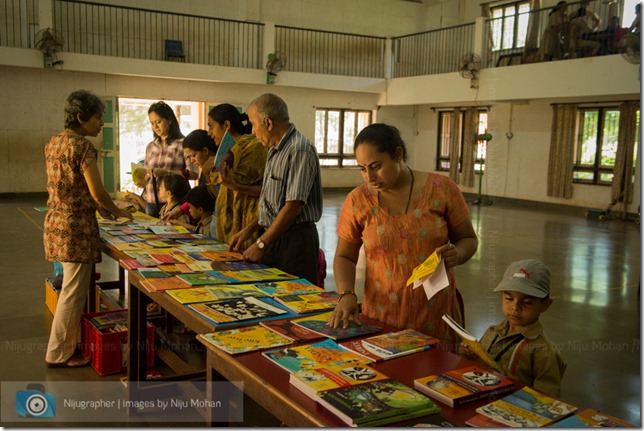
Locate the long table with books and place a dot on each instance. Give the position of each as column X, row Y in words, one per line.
column 268, row 384
column 214, row 290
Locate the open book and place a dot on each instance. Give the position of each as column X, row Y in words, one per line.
column 470, row 341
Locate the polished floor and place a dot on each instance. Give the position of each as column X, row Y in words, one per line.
column 595, row 318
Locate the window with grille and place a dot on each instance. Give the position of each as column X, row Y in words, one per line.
column 335, row 132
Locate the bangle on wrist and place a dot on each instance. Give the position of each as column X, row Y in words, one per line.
column 347, row 292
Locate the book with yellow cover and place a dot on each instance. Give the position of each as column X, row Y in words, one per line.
column 309, row 302
column 322, row 354
column 245, row 339
column 527, row 408
column 338, row 376
column 214, row 293
column 290, row 287
column 157, row 284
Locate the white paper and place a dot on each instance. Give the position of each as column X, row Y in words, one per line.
column 435, row 282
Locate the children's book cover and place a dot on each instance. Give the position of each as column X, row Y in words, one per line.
column 322, row 354
column 254, row 275
column 192, row 295
column 223, row 255
column 292, row 287
column 200, row 266
column 234, row 266
column 247, row 339
column 457, row 387
column 235, row 310
column 319, row 323
column 163, row 258
column 131, row 264
column 309, row 302
column 482, row 421
column 394, row 344
column 157, row 284
column 152, row 273
column 204, row 278
column 323, row 379
column 168, row 229
column 526, row 408
column 377, row 403
column 591, row 418
column 288, row 329
column 355, row 345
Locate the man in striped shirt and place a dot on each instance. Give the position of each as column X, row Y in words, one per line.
column 291, row 199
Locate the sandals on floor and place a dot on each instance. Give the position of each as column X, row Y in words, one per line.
column 76, row 361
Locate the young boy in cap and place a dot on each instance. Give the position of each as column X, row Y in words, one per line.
column 519, row 343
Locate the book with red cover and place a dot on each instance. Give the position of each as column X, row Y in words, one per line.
column 464, row 385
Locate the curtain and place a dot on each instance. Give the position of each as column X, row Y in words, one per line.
column 454, row 144
column 470, row 142
column 622, row 186
column 562, row 144
column 532, row 33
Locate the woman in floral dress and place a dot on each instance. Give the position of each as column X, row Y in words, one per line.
column 71, row 233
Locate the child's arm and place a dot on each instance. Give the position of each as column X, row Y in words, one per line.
column 136, row 199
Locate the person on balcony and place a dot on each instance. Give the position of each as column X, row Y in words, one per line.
column 555, row 37
column 583, row 24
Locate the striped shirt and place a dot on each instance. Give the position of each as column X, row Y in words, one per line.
column 292, row 174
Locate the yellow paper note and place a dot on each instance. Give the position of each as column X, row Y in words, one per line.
column 425, row 269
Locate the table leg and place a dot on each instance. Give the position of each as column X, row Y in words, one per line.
column 137, row 343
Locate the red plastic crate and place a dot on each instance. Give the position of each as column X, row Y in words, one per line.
column 108, row 350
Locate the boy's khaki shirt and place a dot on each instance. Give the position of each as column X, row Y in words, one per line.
column 528, row 356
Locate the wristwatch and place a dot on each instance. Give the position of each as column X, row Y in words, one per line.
column 260, row 244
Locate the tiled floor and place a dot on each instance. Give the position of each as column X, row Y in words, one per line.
column 595, row 318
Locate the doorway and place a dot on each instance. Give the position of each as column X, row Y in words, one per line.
column 135, row 132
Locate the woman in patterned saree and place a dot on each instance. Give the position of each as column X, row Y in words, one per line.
column 400, row 216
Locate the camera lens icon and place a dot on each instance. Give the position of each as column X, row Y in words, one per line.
column 35, row 402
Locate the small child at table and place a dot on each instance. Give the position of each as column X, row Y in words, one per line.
column 519, row 343
column 202, row 205
column 173, row 189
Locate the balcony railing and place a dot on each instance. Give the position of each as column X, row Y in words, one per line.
column 101, row 29
column 333, row 53
column 432, row 52
column 18, row 23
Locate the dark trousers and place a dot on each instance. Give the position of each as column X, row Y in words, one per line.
column 296, row 252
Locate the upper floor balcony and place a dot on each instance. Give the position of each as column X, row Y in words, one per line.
column 490, row 59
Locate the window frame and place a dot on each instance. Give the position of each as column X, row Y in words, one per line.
column 442, row 158
column 342, row 156
column 503, row 19
column 596, row 169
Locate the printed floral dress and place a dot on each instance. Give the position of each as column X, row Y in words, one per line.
column 71, row 230
column 395, row 245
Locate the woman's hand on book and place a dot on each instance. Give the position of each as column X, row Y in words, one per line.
column 346, row 309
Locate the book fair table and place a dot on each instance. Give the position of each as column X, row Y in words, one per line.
column 268, row 384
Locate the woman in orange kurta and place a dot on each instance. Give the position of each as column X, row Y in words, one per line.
column 401, row 216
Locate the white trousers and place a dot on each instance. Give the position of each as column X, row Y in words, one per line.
column 65, row 328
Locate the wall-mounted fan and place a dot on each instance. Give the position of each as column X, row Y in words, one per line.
column 629, row 46
column 469, row 67
column 276, row 62
column 49, row 42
